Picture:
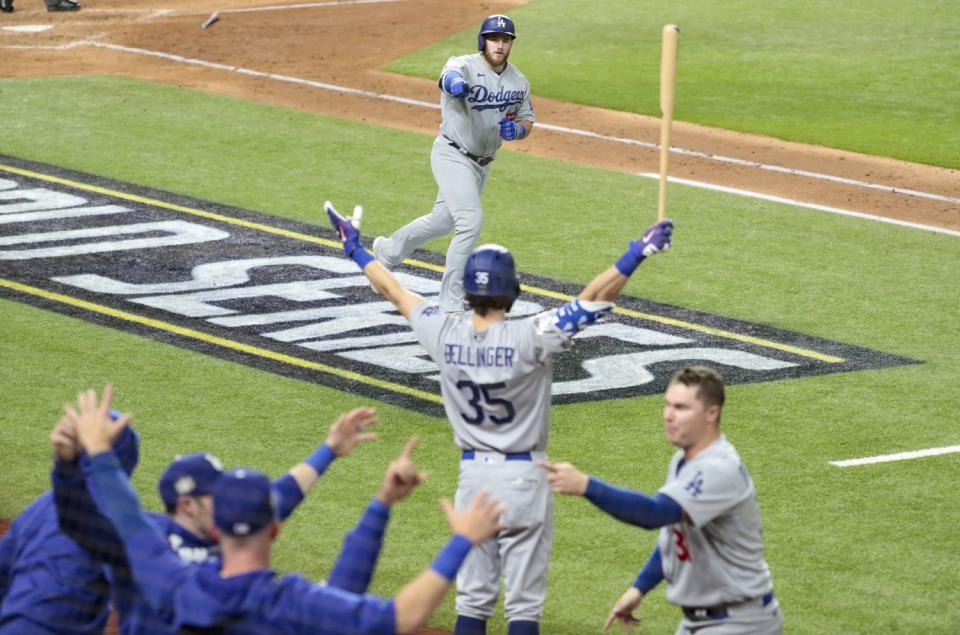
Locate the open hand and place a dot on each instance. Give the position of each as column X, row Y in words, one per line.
column 348, row 431
column 479, row 521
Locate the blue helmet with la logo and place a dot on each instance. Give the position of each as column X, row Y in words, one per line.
column 491, row 272
column 495, row 24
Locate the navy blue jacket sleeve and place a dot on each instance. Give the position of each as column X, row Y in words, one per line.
column 288, row 492
column 354, row 567
column 155, row 568
column 79, row 517
column 636, row 508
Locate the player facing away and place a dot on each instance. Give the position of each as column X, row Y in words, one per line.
column 710, row 549
column 496, row 378
column 484, row 101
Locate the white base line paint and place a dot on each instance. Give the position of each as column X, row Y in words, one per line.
column 308, row 5
column 789, row 201
column 899, row 456
column 545, row 126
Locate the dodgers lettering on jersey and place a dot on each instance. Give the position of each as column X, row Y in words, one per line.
column 717, row 557
column 496, row 383
column 474, row 121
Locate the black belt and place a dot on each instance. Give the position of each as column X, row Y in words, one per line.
column 481, row 161
column 701, row 614
column 469, row 455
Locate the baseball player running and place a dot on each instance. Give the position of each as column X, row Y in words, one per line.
column 496, row 377
column 484, row 101
column 710, row 549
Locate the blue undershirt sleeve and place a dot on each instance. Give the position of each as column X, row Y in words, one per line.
column 354, row 567
column 636, row 508
column 652, row 573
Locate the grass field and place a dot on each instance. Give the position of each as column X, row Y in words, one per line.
column 875, row 77
column 858, row 550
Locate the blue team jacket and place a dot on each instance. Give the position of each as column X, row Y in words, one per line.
column 188, row 597
column 48, row 584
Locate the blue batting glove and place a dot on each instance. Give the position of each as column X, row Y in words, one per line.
column 509, row 130
column 455, row 84
column 654, row 240
column 350, row 236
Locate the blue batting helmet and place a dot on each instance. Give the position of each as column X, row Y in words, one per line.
column 496, row 24
column 490, row 271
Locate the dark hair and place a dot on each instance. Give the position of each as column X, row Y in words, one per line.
column 709, row 383
column 483, row 304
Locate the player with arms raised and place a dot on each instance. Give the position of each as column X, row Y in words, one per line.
column 495, row 377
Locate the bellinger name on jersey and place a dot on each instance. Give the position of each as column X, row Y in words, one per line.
column 479, row 356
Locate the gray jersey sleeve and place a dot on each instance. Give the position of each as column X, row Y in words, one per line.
column 710, row 490
column 427, row 322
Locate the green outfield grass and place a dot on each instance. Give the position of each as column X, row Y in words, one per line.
column 876, row 77
column 861, row 550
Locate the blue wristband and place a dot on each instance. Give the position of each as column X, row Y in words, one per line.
column 362, row 257
column 448, row 561
column 628, row 263
column 321, row 458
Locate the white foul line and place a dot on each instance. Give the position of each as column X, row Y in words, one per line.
column 790, row 201
column 561, row 129
column 899, row 456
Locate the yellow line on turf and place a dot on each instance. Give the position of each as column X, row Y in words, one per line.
column 219, row 341
column 420, row 264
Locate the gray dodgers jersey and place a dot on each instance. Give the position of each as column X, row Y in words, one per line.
column 718, row 557
column 474, row 121
column 496, row 385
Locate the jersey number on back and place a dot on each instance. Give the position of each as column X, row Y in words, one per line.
column 478, row 391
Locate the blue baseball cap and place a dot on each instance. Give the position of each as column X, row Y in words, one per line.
column 126, row 446
column 243, row 502
column 189, row 475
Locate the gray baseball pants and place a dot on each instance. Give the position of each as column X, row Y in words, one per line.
column 521, row 553
column 460, row 181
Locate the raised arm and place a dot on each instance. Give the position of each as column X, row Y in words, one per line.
column 607, row 285
column 381, row 278
column 154, row 566
column 346, row 433
column 361, row 547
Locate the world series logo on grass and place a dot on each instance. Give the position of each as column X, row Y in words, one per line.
column 279, row 295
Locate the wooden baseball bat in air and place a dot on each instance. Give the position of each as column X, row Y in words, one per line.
column 668, row 90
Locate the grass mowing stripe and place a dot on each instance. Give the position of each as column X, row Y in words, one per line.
column 416, row 263
column 219, row 341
